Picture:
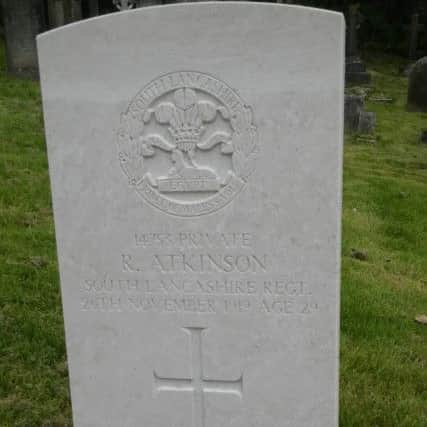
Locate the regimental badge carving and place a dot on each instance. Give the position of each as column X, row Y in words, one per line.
column 187, row 143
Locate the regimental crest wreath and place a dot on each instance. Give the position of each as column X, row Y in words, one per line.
column 187, row 143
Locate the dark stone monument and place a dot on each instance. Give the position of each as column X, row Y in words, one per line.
column 356, row 120
column 367, row 121
column 63, row 12
column 415, row 29
column 417, row 89
column 413, row 39
column 355, row 70
column 23, row 20
column 353, row 106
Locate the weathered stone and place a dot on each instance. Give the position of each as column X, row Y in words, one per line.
column 353, row 106
column 353, row 64
column 196, row 167
column 23, row 20
column 355, row 70
column 367, row 121
column 355, row 118
column 415, row 28
column 354, row 20
column 417, row 89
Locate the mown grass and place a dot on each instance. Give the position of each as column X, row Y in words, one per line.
column 383, row 351
column 33, row 373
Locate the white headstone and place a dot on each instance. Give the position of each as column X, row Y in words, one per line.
column 195, row 160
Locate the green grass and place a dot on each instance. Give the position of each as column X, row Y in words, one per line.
column 383, row 351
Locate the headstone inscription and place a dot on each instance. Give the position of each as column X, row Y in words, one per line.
column 23, row 20
column 196, row 189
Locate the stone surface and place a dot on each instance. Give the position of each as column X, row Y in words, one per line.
column 197, row 197
column 415, row 28
column 353, row 107
column 23, row 20
column 354, row 20
column 367, row 121
column 355, row 118
column 355, row 71
column 417, row 88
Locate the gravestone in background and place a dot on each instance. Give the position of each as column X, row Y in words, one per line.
column 414, row 29
column 23, row 20
column 356, row 119
column 197, row 193
column 417, row 87
column 355, row 69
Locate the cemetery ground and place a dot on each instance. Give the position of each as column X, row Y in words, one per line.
column 384, row 268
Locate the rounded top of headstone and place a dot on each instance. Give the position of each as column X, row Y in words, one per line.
column 417, row 90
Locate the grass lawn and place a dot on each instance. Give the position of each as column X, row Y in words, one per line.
column 383, row 351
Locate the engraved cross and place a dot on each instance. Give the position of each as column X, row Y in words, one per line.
column 197, row 383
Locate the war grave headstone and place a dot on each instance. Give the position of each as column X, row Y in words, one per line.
column 195, row 156
column 23, row 20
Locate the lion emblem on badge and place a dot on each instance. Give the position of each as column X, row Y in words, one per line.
column 187, row 143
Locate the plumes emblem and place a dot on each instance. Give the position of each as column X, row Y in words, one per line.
column 185, row 120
